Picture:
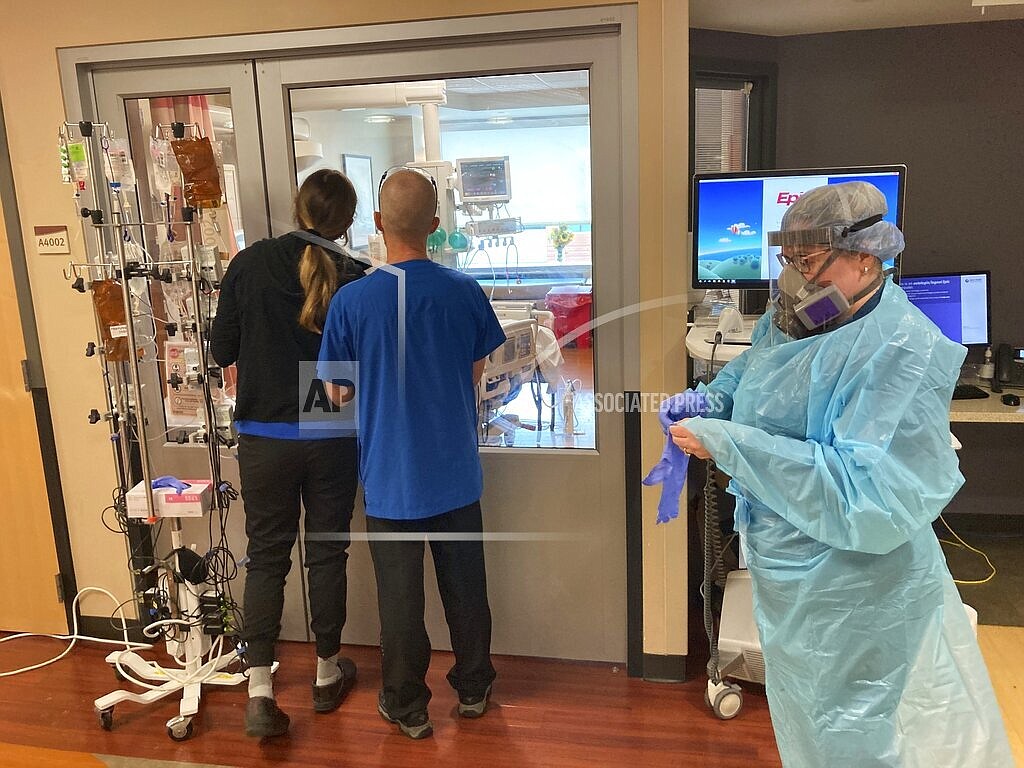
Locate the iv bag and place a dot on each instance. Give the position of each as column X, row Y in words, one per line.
column 108, row 301
column 199, row 170
column 162, row 167
column 118, row 165
column 78, row 157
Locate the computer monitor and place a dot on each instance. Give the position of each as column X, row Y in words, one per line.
column 733, row 213
column 959, row 303
column 484, row 179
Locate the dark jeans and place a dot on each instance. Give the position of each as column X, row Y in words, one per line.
column 462, row 582
column 275, row 475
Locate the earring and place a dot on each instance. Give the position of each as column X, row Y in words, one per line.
column 865, row 270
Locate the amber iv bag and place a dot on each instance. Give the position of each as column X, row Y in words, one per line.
column 109, row 303
column 199, row 170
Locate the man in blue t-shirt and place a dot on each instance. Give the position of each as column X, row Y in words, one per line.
column 419, row 462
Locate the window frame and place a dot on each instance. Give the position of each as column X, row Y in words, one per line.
column 762, row 109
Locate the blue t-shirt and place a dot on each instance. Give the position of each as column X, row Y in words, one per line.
column 418, row 447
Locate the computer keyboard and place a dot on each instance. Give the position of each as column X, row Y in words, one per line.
column 968, row 392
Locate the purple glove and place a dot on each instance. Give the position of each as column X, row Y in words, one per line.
column 670, row 471
column 170, row 481
column 685, row 405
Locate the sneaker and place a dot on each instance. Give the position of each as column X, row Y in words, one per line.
column 327, row 698
column 415, row 726
column 474, row 706
column 264, row 718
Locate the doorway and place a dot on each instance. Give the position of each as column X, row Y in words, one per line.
column 554, row 499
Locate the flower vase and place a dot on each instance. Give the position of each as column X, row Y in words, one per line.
column 559, row 251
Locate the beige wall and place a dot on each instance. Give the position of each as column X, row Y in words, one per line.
column 28, row 556
column 30, row 89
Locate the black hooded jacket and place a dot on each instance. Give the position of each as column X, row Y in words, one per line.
column 257, row 326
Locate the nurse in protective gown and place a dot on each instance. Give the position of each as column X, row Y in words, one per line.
column 836, row 437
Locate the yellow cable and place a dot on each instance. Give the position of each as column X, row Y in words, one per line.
column 967, row 546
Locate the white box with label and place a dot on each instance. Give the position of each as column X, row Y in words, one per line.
column 167, row 502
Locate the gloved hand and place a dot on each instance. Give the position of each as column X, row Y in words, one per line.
column 685, row 405
column 670, row 471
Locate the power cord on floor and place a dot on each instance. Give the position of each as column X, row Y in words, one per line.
column 200, row 675
column 961, row 544
column 74, row 637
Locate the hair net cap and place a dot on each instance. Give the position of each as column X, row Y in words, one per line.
column 836, row 207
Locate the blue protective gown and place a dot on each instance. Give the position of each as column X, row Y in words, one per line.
column 839, row 452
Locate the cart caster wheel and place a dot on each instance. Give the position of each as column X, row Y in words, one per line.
column 106, row 718
column 724, row 699
column 180, row 729
column 728, row 703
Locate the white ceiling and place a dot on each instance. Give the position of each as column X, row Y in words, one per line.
column 529, row 100
column 544, row 81
column 802, row 17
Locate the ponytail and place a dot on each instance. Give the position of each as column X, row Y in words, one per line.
column 326, row 203
column 319, row 278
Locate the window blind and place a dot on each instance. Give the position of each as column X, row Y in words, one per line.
column 720, row 132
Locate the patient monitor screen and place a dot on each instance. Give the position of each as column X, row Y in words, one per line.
column 484, row 179
column 957, row 303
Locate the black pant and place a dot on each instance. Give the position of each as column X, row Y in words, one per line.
column 462, row 582
column 275, row 475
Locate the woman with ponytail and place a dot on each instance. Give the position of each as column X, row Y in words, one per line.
column 273, row 302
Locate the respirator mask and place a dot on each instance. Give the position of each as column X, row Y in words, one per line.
column 802, row 307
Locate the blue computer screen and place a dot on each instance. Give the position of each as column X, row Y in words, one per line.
column 957, row 304
column 733, row 214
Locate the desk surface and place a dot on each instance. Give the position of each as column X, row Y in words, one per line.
column 990, row 409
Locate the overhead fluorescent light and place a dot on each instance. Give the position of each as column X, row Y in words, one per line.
column 499, row 120
column 983, row 3
column 379, row 119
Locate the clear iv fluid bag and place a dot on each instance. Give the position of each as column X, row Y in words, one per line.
column 118, row 165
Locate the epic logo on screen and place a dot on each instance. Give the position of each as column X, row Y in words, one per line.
column 787, row 198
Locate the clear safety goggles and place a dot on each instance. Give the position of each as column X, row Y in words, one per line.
column 832, row 236
column 802, row 237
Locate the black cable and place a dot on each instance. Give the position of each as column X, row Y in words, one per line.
column 712, row 554
column 103, row 519
column 118, row 627
column 712, row 546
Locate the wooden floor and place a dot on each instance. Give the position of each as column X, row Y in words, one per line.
column 1003, row 648
column 546, row 713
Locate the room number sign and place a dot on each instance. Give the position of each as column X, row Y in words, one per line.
column 52, row 240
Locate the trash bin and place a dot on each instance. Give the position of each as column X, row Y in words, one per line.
column 571, row 304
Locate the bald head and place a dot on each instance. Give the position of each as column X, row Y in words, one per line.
column 407, row 206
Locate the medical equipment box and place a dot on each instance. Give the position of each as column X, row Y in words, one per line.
column 493, row 227
column 167, row 502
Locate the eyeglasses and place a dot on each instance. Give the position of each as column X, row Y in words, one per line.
column 396, row 168
column 802, row 262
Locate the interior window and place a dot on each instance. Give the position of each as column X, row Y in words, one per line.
column 511, row 156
